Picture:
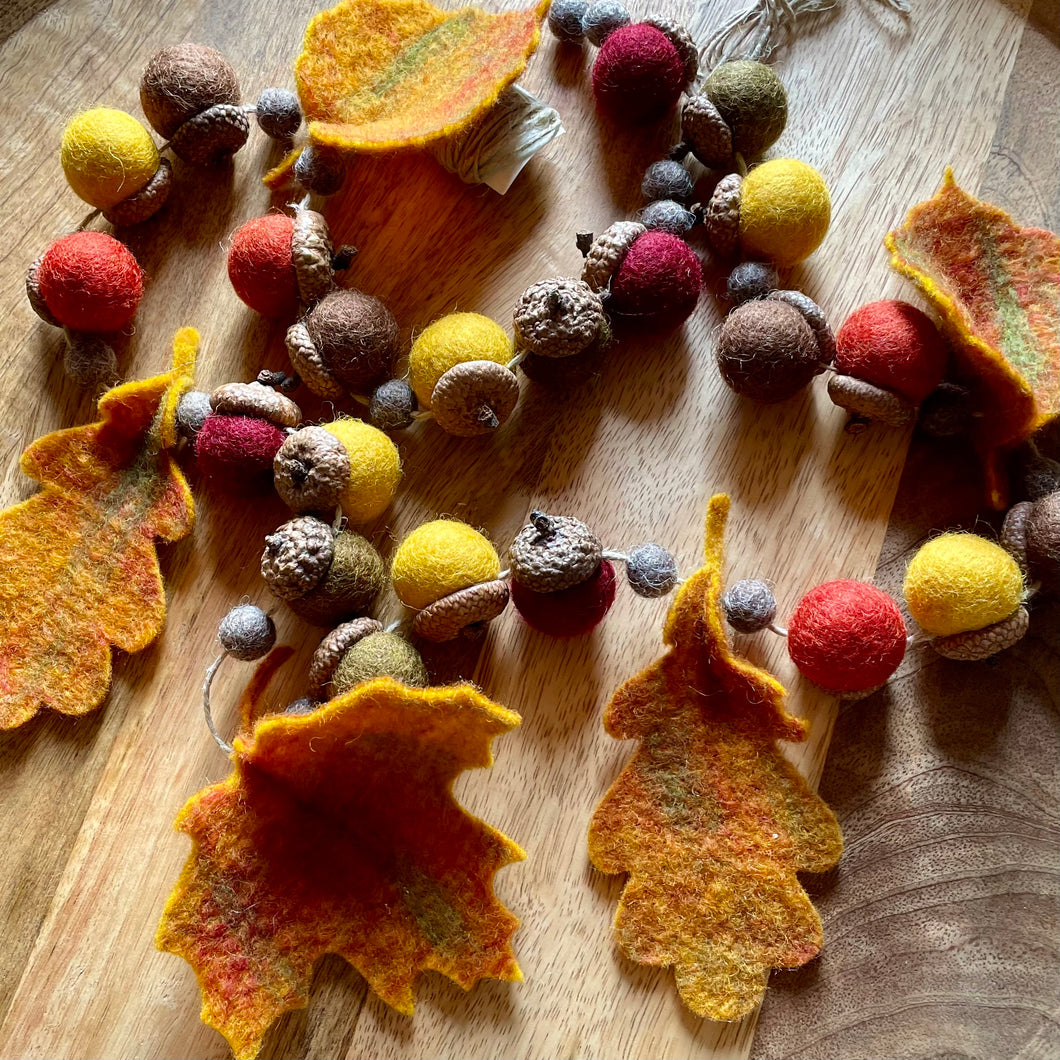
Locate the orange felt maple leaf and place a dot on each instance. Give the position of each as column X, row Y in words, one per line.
column 78, row 566
column 337, row 832
column 709, row 819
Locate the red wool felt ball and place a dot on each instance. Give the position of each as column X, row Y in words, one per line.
column 90, row 282
column 847, row 636
column 237, row 451
column 894, row 345
column 638, row 75
column 260, row 265
column 569, row 612
column 658, row 283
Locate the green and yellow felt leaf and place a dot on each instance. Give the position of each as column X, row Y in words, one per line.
column 709, row 819
column 79, row 567
column 996, row 287
column 337, row 832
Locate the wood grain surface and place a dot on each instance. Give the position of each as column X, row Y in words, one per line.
column 87, row 851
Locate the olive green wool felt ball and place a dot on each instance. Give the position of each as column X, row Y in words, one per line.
column 379, row 655
column 753, row 102
column 349, row 588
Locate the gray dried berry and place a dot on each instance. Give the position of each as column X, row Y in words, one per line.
column 750, row 279
column 554, row 552
column 319, row 171
column 192, row 410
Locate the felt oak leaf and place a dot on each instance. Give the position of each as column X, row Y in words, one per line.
column 709, row 819
column 996, row 287
column 337, row 832
column 78, row 566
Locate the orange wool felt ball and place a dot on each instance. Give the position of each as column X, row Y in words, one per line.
column 261, row 268
column 847, row 636
column 89, row 281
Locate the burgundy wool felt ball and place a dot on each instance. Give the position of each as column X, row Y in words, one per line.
column 570, row 612
column 260, row 265
column 893, row 345
column 238, row 451
column 90, row 282
column 658, row 283
column 638, row 75
column 847, row 636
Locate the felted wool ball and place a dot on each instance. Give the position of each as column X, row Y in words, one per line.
column 246, row 633
column 89, row 360
column 752, row 101
column 237, row 451
column 261, row 268
column 565, row 19
column 392, row 405
column 440, row 557
column 90, row 282
column 847, row 636
column 658, row 283
column 319, row 171
column 192, row 410
column 107, row 155
column 651, row 570
column 785, row 210
column 375, row 469
column 893, row 345
column 1043, row 542
column 450, row 341
column 278, row 112
column 766, row 350
column 638, row 74
column 749, row 605
column 356, row 336
column 750, row 279
column 667, row 216
column 183, row 80
column 666, row 180
column 602, row 19
column 570, row 612
column 379, row 655
column 960, row 582
column 353, row 581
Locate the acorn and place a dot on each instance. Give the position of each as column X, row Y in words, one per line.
column 330, row 651
column 554, row 552
column 1031, row 535
column 558, row 318
column 463, row 612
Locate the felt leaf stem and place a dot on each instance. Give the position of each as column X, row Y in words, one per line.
column 709, row 819
column 337, row 832
column 78, row 566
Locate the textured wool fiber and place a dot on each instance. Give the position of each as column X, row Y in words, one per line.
column 337, row 832
column 237, row 451
column 357, row 338
column 107, row 155
column 752, row 101
column 893, row 345
column 440, row 557
column 658, row 284
column 375, row 469
column 785, row 210
column 349, row 589
column 569, row 612
column 379, row 655
column 261, row 268
column 182, row 81
column 708, row 818
column 452, row 340
column 960, row 582
column 847, row 636
column 638, row 74
column 90, row 282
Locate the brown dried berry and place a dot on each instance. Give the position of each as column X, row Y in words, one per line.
column 554, row 552
column 311, row 469
column 474, row 397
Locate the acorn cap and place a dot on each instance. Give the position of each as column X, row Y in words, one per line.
column 982, row 643
column 558, row 318
column 350, row 587
column 212, row 135
column 330, row 651
column 683, row 44
column 297, row 556
column 474, row 397
column 554, row 552
column 147, row 201
column 255, row 400
column 706, row 132
column 814, row 316
column 869, row 401
column 311, row 252
column 607, row 252
column 722, row 216
column 308, row 363
column 447, row 618
column 36, row 302
column 1013, row 537
column 311, row 469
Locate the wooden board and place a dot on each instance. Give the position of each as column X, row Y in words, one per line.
column 87, row 853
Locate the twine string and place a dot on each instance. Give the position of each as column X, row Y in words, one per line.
column 210, row 673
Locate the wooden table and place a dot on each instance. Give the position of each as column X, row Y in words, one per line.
column 87, row 851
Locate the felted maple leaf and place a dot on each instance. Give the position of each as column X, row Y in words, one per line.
column 996, row 287
column 78, row 566
column 337, row 832
column 709, row 819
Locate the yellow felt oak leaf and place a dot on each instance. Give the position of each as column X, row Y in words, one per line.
column 709, row 819
column 78, row 566
column 996, row 287
column 337, row 832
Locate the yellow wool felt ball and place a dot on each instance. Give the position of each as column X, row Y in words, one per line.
column 107, row 156
column 439, row 558
column 375, row 469
column 784, row 211
column 452, row 340
column 961, row 582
